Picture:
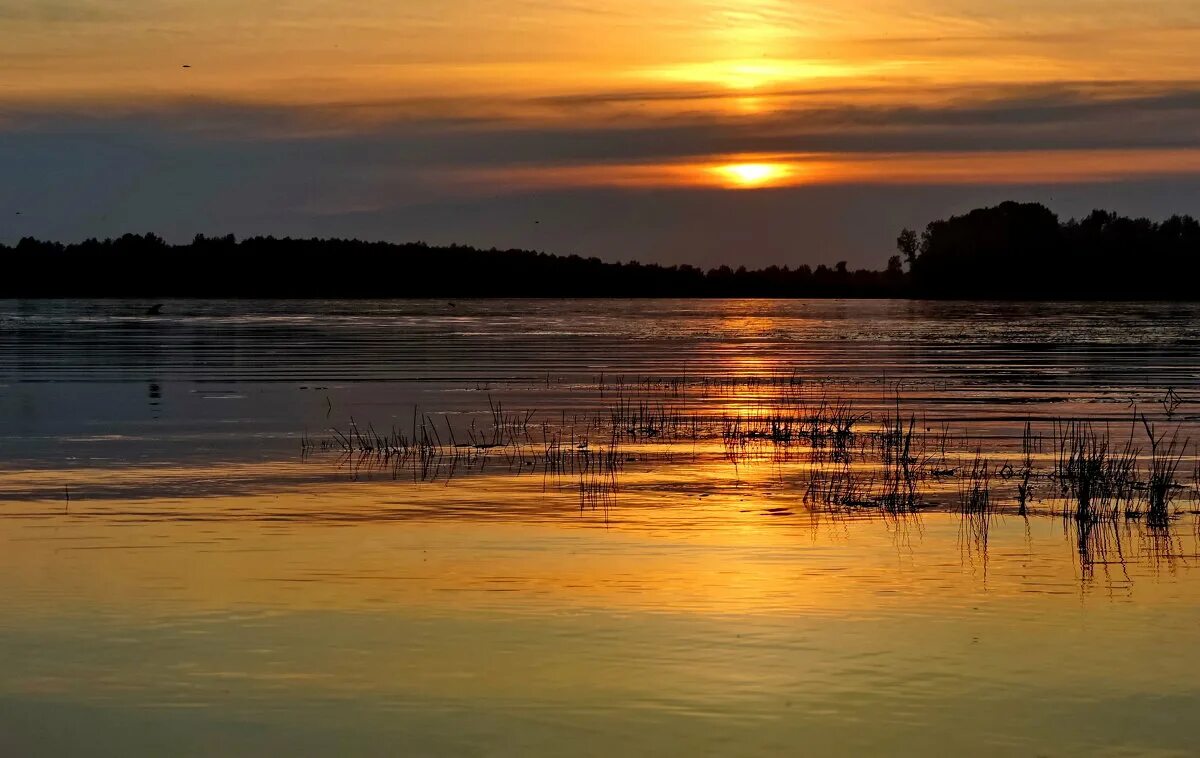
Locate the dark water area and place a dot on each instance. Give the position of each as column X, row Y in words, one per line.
column 222, row 372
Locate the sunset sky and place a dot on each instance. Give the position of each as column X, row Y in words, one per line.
column 700, row 131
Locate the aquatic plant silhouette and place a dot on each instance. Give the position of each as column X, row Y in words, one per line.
column 830, row 454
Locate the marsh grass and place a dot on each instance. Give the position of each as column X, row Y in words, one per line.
column 975, row 502
column 1114, row 485
column 1166, row 455
column 1028, row 445
column 832, row 454
column 899, row 462
column 1098, row 478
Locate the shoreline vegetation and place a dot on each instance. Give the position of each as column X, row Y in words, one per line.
column 1017, row 251
column 810, row 452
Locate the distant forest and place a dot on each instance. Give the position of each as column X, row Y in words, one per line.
column 1023, row 251
column 1010, row 251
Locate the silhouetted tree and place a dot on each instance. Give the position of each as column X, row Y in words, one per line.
column 906, row 243
column 1022, row 250
column 895, row 268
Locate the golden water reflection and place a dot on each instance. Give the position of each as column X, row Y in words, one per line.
column 763, row 629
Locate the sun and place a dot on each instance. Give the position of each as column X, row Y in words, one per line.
column 749, row 175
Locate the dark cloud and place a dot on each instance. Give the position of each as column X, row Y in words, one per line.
column 1020, row 118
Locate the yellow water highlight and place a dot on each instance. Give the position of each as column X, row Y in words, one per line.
column 802, row 627
column 704, row 551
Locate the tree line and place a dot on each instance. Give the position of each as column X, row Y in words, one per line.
column 146, row 266
column 1009, row 251
column 1022, row 250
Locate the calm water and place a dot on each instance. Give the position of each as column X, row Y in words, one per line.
column 192, row 562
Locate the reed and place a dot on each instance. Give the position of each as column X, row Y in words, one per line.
column 839, row 457
column 1099, row 478
column 975, row 490
column 1166, row 455
column 1026, row 472
column 899, row 462
column 975, row 503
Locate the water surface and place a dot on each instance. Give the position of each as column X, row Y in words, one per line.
column 192, row 565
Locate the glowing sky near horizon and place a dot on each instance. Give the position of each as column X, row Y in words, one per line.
column 344, row 111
